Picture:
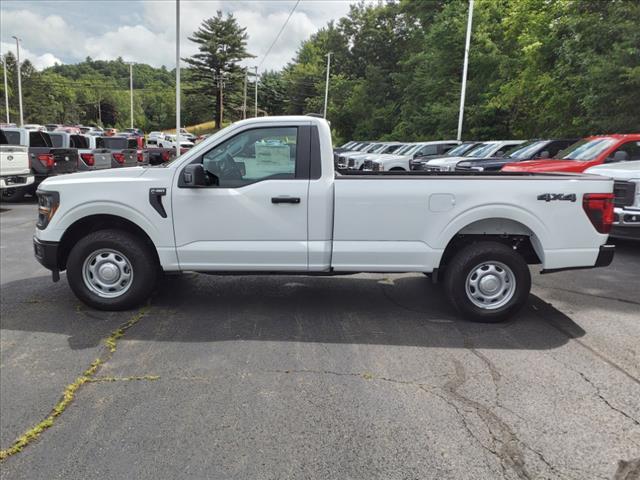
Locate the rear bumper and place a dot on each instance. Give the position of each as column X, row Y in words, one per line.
column 14, row 181
column 626, row 223
column 46, row 253
column 604, row 259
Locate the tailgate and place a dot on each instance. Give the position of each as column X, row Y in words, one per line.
column 101, row 158
column 130, row 158
column 14, row 160
column 66, row 160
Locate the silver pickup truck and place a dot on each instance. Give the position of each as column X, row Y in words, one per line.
column 89, row 157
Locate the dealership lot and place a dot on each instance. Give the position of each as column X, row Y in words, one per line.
column 330, row 377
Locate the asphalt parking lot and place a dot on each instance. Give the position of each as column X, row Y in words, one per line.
column 365, row 376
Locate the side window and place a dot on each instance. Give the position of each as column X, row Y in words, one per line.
column 446, row 147
column 252, row 156
column 429, row 150
column 627, row 151
column 554, row 147
column 56, row 140
column 39, row 139
column 100, row 142
column 132, row 143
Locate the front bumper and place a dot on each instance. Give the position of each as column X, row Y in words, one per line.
column 15, row 181
column 626, row 224
column 604, row 259
column 46, row 253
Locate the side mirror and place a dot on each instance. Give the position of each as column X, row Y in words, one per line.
column 544, row 154
column 193, row 176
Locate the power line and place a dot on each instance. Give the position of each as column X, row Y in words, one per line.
column 279, row 33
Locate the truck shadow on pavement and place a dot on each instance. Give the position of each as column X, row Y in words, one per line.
column 400, row 310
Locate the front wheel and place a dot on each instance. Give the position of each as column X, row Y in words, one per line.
column 487, row 282
column 112, row 270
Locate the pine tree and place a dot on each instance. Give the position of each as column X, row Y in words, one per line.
column 222, row 44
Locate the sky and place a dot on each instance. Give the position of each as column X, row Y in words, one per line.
column 67, row 31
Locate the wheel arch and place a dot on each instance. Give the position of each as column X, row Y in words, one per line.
column 95, row 222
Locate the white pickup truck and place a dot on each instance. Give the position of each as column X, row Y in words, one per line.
column 14, row 166
column 262, row 196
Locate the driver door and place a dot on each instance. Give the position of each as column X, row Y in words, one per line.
column 252, row 214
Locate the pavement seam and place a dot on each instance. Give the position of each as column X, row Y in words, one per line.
column 69, row 393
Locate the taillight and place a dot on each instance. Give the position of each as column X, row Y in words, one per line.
column 599, row 209
column 47, row 160
column 165, row 156
column 88, row 159
column 118, row 157
column 140, row 157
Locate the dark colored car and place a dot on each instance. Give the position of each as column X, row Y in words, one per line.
column 532, row 150
column 418, row 162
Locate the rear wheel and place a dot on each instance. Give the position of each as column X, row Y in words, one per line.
column 112, row 270
column 13, row 194
column 487, row 282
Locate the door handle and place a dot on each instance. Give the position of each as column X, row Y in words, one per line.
column 285, row 200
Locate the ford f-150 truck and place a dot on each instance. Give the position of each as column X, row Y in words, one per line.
column 89, row 157
column 262, row 196
column 587, row 153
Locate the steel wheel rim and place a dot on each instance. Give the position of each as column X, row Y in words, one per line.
column 107, row 273
column 490, row 285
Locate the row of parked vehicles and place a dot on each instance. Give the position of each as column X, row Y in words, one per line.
column 616, row 156
column 33, row 153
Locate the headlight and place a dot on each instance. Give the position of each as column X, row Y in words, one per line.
column 464, row 164
column 48, row 203
column 445, row 168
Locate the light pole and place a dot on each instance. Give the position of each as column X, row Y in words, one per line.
column 256, row 91
column 464, row 69
column 177, row 78
column 19, row 79
column 131, row 89
column 6, row 89
column 326, row 86
column 244, row 98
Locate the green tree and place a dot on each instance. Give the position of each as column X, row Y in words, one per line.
column 222, row 44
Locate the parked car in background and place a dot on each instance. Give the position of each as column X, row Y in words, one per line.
column 400, row 161
column 586, row 153
column 110, row 132
column 169, row 141
column 535, row 149
column 626, row 190
column 185, row 134
column 34, row 126
column 90, row 130
column 461, row 150
column 343, row 158
column 15, row 171
column 89, row 156
column 493, row 148
column 134, row 131
column 356, row 161
column 153, row 137
column 124, row 150
column 45, row 160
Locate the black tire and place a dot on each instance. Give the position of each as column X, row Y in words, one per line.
column 13, row 194
column 143, row 267
column 473, row 258
column 397, row 169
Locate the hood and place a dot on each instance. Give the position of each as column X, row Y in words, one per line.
column 445, row 160
column 94, row 176
column 546, row 166
column 617, row 171
column 392, row 158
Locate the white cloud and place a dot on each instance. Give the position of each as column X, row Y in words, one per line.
column 149, row 37
column 38, row 61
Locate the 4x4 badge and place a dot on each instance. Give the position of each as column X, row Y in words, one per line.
column 548, row 197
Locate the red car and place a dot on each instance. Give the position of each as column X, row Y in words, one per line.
column 584, row 154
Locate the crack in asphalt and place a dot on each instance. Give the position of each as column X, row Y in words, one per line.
column 606, row 402
column 604, row 297
column 70, row 391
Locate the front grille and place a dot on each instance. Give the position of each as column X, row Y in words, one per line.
column 416, row 166
column 624, row 193
column 351, row 163
column 375, row 167
column 367, row 165
column 463, row 168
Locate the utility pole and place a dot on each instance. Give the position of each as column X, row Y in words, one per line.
column 326, row 86
column 177, row 78
column 464, row 69
column 131, row 89
column 256, row 92
column 220, row 79
column 6, row 89
column 244, row 99
column 19, row 79
column 99, row 111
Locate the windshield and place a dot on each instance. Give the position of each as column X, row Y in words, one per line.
column 413, row 149
column 481, row 150
column 586, row 150
column 527, row 150
column 404, row 148
column 371, row 148
column 460, row 149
